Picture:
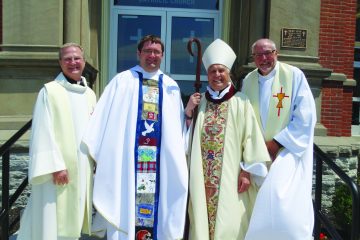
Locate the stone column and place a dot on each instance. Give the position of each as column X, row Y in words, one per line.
column 33, row 31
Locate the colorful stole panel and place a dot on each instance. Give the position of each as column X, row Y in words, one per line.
column 147, row 157
column 212, row 151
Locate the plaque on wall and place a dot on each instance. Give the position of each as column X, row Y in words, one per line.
column 293, row 38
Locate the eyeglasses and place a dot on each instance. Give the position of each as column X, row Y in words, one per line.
column 150, row 51
column 70, row 59
column 266, row 54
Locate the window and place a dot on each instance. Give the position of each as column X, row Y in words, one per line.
column 191, row 4
column 356, row 95
column 128, row 24
column 357, row 53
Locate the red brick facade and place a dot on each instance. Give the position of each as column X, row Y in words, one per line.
column 0, row 22
column 336, row 51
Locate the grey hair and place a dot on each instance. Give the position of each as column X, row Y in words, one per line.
column 271, row 42
column 66, row 45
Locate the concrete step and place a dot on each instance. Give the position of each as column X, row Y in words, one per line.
column 13, row 122
column 7, row 134
column 9, row 125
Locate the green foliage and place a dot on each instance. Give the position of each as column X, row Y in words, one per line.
column 342, row 206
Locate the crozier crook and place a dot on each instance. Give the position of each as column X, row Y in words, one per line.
column 197, row 83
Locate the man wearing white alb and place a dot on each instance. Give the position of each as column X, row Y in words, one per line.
column 135, row 136
column 60, row 171
column 285, row 110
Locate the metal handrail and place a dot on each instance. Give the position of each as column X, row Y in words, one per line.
column 13, row 198
column 354, row 189
column 321, row 158
column 8, row 144
column 7, row 202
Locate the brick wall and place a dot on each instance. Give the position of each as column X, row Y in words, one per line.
column 336, row 51
column 336, row 108
column 0, row 22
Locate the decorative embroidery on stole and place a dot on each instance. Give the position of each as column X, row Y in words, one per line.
column 212, row 151
column 280, row 100
column 147, row 157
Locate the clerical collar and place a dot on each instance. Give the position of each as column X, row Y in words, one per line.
column 224, row 95
column 270, row 74
column 148, row 75
column 218, row 94
column 72, row 81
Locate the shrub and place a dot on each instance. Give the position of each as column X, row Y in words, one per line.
column 342, row 207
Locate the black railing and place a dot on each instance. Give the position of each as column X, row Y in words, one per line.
column 7, row 202
column 320, row 217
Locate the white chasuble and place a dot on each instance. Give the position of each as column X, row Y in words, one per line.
column 60, row 118
column 242, row 145
column 283, row 208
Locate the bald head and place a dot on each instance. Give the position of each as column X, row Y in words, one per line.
column 265, row 55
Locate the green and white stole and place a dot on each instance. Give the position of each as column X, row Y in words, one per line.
column 66, row 206
column 280, row 101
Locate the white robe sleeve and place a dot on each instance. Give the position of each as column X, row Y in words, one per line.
column 187, row 132
column 296, row 135
column 255, row 153
column 45, row 156
column 98, row 122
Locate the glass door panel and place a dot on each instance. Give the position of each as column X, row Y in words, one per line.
column 127, row 27
column 184, row 28
column 181, row 28
column 131, row 28
column 175, row 27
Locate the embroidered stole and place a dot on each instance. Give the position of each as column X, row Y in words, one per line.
column 280, row 101
column 147, row 157
column 212, row 151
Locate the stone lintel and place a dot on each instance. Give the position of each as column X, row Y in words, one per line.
column 28, row 60
column 320, row 130
column 350, row 83
column 29, row 48
column 340, row 77
column 22, row 51
column 40, row 60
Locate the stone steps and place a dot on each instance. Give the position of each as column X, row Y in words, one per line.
column 13, row 122
column 9, row 125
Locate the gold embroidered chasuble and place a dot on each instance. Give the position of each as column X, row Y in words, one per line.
column 212, row 151
column 67, row 203
column 225, row 135
column 280, row 99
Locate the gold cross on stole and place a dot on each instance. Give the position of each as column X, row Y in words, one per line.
column 280, row 96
